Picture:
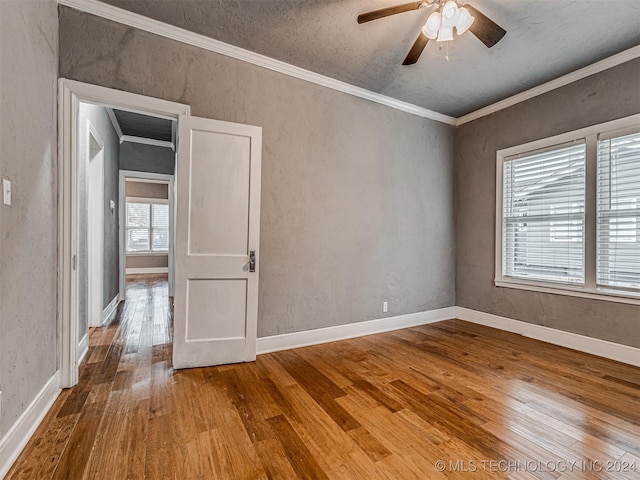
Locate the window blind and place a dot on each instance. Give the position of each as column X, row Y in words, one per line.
column 618, row 212
column 138, row 222
column 160, row 227
column 544, row 215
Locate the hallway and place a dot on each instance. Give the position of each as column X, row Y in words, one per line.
column 99, row 428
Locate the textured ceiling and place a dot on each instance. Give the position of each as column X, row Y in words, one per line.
column 545, row 39
column 145, row 126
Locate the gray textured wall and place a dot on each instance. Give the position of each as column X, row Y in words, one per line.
column 147, row 261
column 146, row 189
column 28, row 72
column 147, row 158
column 110, row 287
column 611, row 94
column 357, row 198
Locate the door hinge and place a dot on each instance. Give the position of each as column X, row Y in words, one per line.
column 74, row 262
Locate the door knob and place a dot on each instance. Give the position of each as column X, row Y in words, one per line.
column 252, row 261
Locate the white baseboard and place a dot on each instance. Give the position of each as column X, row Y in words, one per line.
column 108, row 311
column 305, row 338
column 83, row 348
column 594, row 346
column 142, row 271
column 14, row 441
column 574, row 341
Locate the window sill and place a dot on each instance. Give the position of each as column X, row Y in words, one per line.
column 147, row 254
column 606, row 295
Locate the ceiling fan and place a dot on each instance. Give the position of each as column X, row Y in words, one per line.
column 441, row 22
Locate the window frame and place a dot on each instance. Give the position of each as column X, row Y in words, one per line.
column 589, row 135
column 150, row 201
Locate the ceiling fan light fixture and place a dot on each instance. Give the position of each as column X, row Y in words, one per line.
column 447, row 16
column 445, row 34
column 450, row 14
column 430, row 29
column 465, row 20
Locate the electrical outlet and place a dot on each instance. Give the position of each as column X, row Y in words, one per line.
column 6, row 191
column 385, row 307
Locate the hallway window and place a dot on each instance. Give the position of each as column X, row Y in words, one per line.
column 147, row 226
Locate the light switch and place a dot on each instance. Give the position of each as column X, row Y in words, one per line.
column 6, row 191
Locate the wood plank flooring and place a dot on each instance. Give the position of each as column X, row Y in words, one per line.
column 387, row 406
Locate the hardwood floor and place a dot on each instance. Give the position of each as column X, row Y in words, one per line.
column 387, row 406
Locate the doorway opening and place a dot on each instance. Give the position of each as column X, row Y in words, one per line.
column 125, row 221
column 105, row 132
column 216, row 282
column 147, row 226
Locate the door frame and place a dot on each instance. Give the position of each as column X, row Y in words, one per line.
column 95, row 244
column 124, row 174
column 70, row 94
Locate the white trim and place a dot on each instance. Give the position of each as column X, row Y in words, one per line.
column 68, row 116
column 574, row 76
column 148, row 254
column 156, row 27
column 172, row 32
column 147, row 141
column 83, row 348
column 14, row 441
column 147, row 270
column 574, row 341
column 109, row 309
column 70, row 94
column 317, row 336
column 145, row 180
column 594, row 346
column 589, row 289
column 568, row 137
column 95, row 270
column 114, row 122
column 146, row 177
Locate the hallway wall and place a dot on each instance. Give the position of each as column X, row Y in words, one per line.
column 28, row 228
column 111, row 259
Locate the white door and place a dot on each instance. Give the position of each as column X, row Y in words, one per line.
column 217, row 228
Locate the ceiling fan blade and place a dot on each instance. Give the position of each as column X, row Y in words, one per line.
column 487, row 31
column 416, row 49
column 386, row 12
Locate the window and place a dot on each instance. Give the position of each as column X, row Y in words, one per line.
column 543, row 211
column 147, row 226
column 569, row 213
column 618, row 191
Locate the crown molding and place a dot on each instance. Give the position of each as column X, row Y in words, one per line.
column 574, row 76
column 125, row 17
column 114, row 122
column 147, row 141
column 156, row 27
